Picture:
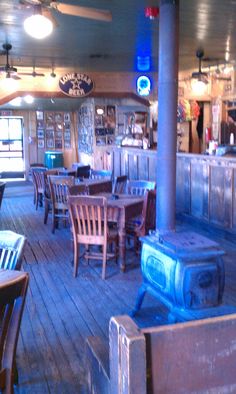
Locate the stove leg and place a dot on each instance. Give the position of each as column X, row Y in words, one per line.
column 141, row 293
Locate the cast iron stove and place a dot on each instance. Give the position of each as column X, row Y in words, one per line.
column 185, row 271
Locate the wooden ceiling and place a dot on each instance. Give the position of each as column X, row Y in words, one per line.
column 86, row 44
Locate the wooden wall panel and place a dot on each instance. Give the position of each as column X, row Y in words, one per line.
column 152, row 172
column 116, row 163
column 220, row 202
column 199, row 189
column 183, row 185
column 205, row 185
column 234, row 199
column 133, row 166
column 143, row 167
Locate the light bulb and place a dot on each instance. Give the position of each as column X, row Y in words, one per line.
column 38, row 26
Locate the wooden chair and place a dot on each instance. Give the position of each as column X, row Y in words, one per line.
column 88, row 216
column 120, row 183
column 59, row 193
column 13, row 288
column 11, row 250
column 100, row 174
column 38, row 182
column 139, row 188
column 140, row 226
column 82, row 171
column 47, row 194
column 2, row 188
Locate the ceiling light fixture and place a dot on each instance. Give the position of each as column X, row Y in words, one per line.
column 29, row 99
column 37, row 25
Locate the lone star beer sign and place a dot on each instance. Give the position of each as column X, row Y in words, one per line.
column 76, row 85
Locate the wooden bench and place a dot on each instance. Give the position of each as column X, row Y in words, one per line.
column 192, row 357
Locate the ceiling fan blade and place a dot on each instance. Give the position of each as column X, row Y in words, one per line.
column 33, row 74
column 84, row 12
column 15, row 77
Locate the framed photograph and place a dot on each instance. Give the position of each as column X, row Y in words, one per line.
column 41, row 144
column 50, row 126
column 98, row 121
column 49, row 117
column 58, row 144
column 59, row 126
column 58, row 134
column 67, row 135
column 50, row 143
column 67, row 126
column 40, row 133
column 111, row 111
column 39, row 115
column 66, row 117
column 40, row 124
column 67, row 145
column 58, row 117
column 49, row 134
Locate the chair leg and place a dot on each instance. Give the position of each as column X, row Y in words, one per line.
column 46, row 210
column 76, row 260
column 104, row 261
column 53, row 222
column 36, row 200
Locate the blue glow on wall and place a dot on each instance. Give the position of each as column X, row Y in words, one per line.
column 143, row 85
column 143, row 63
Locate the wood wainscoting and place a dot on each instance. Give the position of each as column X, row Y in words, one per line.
column 205, row 185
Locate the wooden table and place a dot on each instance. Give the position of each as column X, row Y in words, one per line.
column 120, row 211
column 95, row 186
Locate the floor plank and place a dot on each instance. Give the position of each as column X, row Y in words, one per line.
column 61, row 311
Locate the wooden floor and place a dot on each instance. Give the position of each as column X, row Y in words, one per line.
column 62, row 311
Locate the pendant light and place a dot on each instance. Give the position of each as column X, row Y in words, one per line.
column 37, row 25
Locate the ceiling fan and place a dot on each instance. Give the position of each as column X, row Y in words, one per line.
column 10, row 71
column 33, row 73
column 68, row 9
column 200, row 75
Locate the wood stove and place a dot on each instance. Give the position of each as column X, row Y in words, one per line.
column 185, row 271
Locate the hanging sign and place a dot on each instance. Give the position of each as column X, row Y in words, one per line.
column 76, row 85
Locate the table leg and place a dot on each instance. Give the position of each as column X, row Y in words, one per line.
column 122, row 244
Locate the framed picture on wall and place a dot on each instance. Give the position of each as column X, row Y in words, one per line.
column 49, row 117
column 58, row 117
column 67, row 145
column 41, row 144
column 40, row 124
column 111, row 111
column 58, row 144
column 67, row 117
column 50, row 133
column 58, row 134
column 39, row 115
column 50, row 143
column 67, row 135
column 98, row 121
column 59, row 126
column 40, row 133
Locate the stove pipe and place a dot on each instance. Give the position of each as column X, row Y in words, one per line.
column 167, row 115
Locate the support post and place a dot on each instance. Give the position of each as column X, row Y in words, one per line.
column 167, row 114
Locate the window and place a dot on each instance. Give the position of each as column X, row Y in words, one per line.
column 11, row 144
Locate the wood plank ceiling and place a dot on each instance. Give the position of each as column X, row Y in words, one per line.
column 88, row 45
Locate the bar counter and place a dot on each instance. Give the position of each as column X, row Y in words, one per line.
column 205, row 184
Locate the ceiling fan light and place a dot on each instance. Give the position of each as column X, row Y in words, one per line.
column 199, row 87
column 29, row 99
column 38, row 26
